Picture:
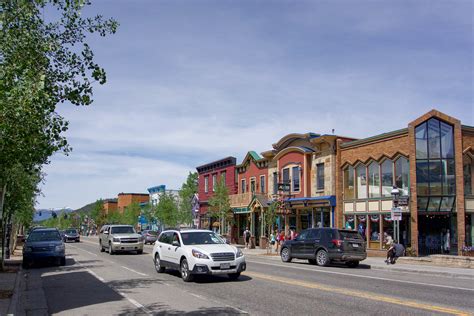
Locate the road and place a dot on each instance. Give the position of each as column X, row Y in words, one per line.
column 98, row 283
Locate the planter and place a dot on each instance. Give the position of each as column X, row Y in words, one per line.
column 468, row 253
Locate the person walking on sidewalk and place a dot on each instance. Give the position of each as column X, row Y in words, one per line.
column 247, row 237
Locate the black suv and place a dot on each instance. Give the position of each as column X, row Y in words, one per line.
column 323, row 245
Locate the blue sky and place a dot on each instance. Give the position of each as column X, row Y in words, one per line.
column 193, row 81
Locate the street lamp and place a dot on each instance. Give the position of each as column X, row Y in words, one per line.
column 396, row 224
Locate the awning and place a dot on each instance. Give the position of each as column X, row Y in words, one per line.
column 329, row 200
column 240, row 210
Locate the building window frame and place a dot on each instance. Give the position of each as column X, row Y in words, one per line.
column 320, row 176
column 243, row 184
column 214, row 182
column 206, row 184
column 262, row 184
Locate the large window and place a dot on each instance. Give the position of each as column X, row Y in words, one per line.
column 468, row 167
column 374, row 180
column 402, row 175
column 296, row 178
column 252, row 185
column 361, row 182
column 348, row 183
column 275, row 183
column 435, row 167
column 387, row 177
column 286, row 175
column 320, row 176
column 242, row 185
column 206, row 184
column 214, row 182
column 262, row 184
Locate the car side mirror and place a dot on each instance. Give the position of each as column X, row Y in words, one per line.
column 175, row 243
column 106, row 232
column 227, row 241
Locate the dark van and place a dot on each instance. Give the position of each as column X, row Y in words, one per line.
column 323, row 245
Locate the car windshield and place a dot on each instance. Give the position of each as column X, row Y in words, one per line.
column 49, row 235
column 201, row 238
column 122, row 230
column 71, row 231
column 349, row 234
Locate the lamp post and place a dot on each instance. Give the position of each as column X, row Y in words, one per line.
column 396, row 223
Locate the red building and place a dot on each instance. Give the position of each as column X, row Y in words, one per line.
column 209, row 175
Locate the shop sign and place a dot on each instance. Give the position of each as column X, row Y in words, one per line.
column 285, row 187
column 396, row 214
column 403, row 200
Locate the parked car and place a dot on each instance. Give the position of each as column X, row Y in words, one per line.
column 71, row 234
column 149, row 236
column 197, row 252
column 44, row 244
column 120, row 238
column 324, row 245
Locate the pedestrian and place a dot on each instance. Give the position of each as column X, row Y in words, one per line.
column 292, row 234
column 282, row 237
column 272, row 240
column 247, row 237
column 396, row 250
column 278, row 238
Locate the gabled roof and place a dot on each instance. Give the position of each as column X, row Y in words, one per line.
column 251, row 155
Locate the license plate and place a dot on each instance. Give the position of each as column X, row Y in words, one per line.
column 225, row 266
column 355, row 245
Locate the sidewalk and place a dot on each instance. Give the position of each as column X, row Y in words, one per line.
column 9, row 283
column 378, row 263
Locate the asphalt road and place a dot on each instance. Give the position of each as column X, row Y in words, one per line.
column 98, row 283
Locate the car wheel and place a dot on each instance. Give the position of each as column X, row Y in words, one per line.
column 352, row 264
column 185, row 273
column 139, row 252
column 158, row 267
column 234, row 276
column 62, row 261
column 111, row 251
column 285, row 255
column 101, row 247
column 312, row 261
column 322, row 258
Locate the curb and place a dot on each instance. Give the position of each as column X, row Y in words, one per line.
column 13, row 306
column 421, row 271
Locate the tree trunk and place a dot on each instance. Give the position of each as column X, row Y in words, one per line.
column 3, row 189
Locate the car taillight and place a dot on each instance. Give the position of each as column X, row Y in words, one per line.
column 337, row 242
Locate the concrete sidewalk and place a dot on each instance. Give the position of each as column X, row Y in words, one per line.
column 9, row 283
column 378, row 263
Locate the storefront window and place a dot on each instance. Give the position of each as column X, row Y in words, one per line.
column 361, row 225
column 402, row 175
column 388, row 235
column 361, row 178
column 468, row 176
column 349, row 183
column 387, row 177
column 374, row 228
column 374, row 180
column 350, row 222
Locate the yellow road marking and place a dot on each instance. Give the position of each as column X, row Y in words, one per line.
column 359, row 294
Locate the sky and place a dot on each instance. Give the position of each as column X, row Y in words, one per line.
column 190, row 82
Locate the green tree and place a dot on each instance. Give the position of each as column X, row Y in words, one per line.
column 42, row 63
column 131, row 214
column 97, row 213
column 220, row 204
column 166, row 211
column 114, row 218
column 186, row 194
column 149, row 213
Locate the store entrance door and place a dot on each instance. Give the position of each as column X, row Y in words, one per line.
column 437, row 234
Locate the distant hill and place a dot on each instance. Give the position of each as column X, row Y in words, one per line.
column 44, row 214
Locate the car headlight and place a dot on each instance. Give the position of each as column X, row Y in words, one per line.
column 116, row 239
column 141, row 238
column 199, row 254
column 28, row 249
column 60, row 248
column 239, row 253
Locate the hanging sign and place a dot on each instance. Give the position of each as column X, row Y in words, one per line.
column 285, row 187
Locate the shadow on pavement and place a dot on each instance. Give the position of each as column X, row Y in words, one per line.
column 130, row 284
column 162, row 309
column 67, row 291
column 339, row 265
column 202, row 279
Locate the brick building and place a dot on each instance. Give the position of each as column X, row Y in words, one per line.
column 431, row 163
column 125, row 199
column 208, row 175
column 110, row 206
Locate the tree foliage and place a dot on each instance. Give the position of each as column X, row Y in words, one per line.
column 131, row 214
column 166, row 211
column 220, row 203
column 186, row 194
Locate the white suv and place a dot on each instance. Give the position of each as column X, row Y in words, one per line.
column 197, row 252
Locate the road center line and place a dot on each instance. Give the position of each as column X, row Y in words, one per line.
column 143, row 274
column 359, row 294
column 362, row 276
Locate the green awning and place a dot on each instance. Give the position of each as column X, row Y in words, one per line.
column 240, row 210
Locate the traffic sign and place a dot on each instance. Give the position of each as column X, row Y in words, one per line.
column 396, row 214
